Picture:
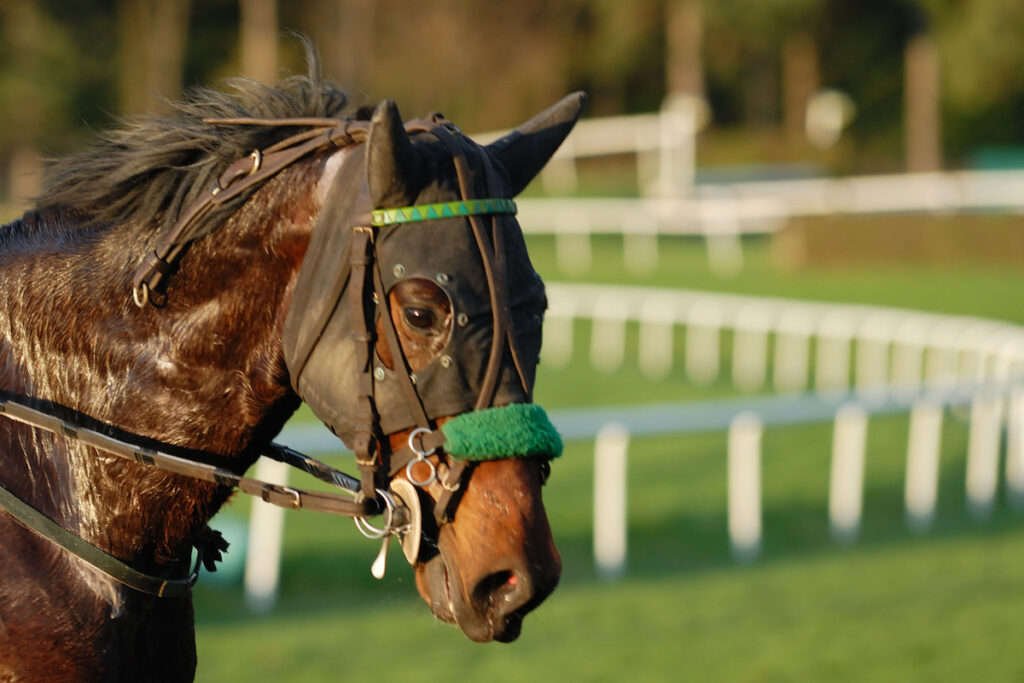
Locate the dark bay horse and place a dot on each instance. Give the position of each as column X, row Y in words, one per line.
column 306, row 285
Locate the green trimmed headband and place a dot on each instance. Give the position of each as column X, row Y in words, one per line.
column 432, row 212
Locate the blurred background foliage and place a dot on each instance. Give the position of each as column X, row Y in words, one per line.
column 69, row 67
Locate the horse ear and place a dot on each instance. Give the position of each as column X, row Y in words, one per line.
column 524, row 151
column 391, row 163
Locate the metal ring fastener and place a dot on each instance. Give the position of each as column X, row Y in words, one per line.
column 370, row 531
column 141, row 294
column 421, row 456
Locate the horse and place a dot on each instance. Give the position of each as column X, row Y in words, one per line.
column 184, row 284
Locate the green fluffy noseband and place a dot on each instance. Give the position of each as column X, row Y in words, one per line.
column 520, row 430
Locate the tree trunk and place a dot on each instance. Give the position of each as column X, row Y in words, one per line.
column 922, row 119
column 258, row 34
column 153, row 34
column 684, row 35
column 800, row 80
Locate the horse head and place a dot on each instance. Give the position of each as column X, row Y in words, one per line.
column 427, row 343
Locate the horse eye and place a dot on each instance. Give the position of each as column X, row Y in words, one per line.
column 420, row 318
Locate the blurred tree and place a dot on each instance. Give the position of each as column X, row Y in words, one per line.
column 982, row 54
column 32, row 99
column 258, row 34
column 153, row 36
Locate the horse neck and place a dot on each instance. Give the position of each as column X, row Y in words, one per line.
column 205, row 371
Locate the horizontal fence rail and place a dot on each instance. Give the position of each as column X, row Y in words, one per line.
column 827, row 347
column 866, row 361
column 673, row 203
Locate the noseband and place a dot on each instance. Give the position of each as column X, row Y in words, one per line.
column 523, row 429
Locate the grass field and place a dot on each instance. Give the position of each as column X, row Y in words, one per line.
column 943, row 606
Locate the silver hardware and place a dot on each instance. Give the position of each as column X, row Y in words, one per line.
column 446, row 361
column 378, row 373
column 370, row 531
column 421, row 456
column 380, row 562
column 443, row 278
column 398, row 270
column 462, row 319
column 141, row 295
column 257, row 160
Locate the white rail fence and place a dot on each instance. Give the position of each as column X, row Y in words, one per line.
column 858, row 360
column 827, row 347
column 664, row 144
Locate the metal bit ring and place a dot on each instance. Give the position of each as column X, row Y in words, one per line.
column 421, row 456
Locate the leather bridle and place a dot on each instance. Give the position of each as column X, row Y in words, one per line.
column 371, row 494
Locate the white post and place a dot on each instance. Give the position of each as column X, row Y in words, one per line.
column 558, row 338
column 572, row 242
column 832, row 366
column 846, row 485
column 921, row 487
column 744, row 482
column 266, row 533
column 655, row 344
column 1015, row 449
column 983, row 455
column 871, row 369
column 640, row 244
column 750, row 349
column 908, row 355
column 610, row 543
column 792, row 350
column 608, row 333
column 702, row 343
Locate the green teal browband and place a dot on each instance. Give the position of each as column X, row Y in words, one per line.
column 433, row 212
column 520, row 430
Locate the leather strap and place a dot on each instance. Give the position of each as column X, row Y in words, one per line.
column 120, row 571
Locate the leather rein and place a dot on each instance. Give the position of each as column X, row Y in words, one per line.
column 364, row 497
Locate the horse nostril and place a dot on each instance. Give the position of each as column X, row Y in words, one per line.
column 502, row 587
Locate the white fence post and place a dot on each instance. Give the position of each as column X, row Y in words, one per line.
column 608, row 333
column 558, row 337
column 703, row 347
column 846, row 485
column 750, row 348
column 983, row 455
column 1015, row 449
column 266, row 532
column 744, row 482
column 792, row 350
column 921, row 486
column 572, row 245
column 655, row 340
column 610, row 542
column 832, row 366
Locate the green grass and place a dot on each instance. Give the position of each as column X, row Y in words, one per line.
column 894, row 606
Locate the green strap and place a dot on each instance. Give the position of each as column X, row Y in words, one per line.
column 433, row 212
column 108, row 564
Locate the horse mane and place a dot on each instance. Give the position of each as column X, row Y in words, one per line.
column 149, row 169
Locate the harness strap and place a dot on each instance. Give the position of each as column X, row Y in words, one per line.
column 365, row 438
column 120, row 571
column 282, row 496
